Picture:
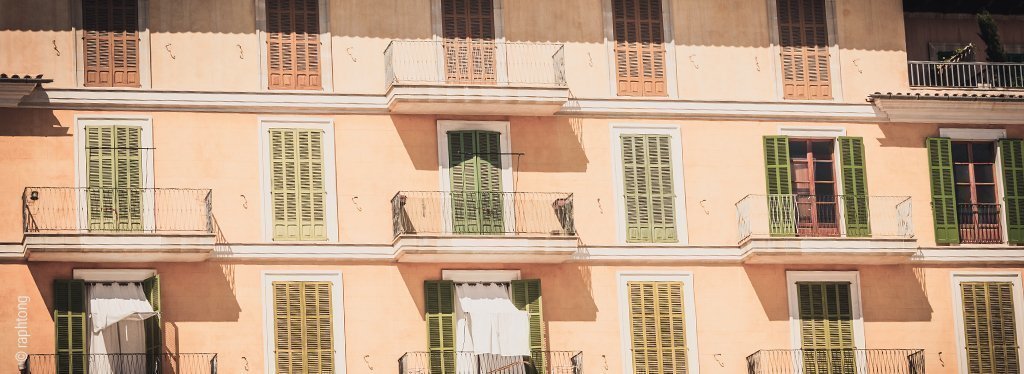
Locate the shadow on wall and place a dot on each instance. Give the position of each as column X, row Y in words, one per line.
column 31, row 122
column 888, row 293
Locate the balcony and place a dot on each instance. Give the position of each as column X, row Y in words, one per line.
column 483, row 227
column 478, row 77
column 839, row 361
column 825, row 229
column 547, row 362
column 967, row 75
column 121, row 363
column 979, row 223
column 117, row 224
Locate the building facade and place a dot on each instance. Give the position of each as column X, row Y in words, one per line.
column 507, row 186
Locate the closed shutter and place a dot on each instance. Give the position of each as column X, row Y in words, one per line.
column 114, row 166
column 153, row 326
column 526, row 296
column 826, row 327
column 1012, row 152
column 293, row 44
column 69, row 326
column 298, row 194
column 779, row 182
column 639, row 47
column 110, row 35
column 474, row 159
column 803, row 40
column 303, row 328
column 657, row 325
column 855, row 188
column 990, row 327
column 469, row 42
column 439, row 304
column 648, row 185
column 940, row 170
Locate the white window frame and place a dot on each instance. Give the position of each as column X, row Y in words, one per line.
column 145, row 57
column 986, row 135
column 673, row 131
column 337, row 312
column 326, row 56
column 330, row 169
column 689, row 307
column 437, row 29
column 853, row 277
column 672, row 89
column 113, row 275
column 81, row 163
column 499, row 276
column 834, row 41
column 958, row 307
column 444, row 166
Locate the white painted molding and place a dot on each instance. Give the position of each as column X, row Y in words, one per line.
column 812, row 132
column 480, row 275
column 958, row 309
column 853, row 277
column 693, row 357
column 739, row 110
column 113, row 275
column 337, row 311
column 972, row 134
column 950, row 111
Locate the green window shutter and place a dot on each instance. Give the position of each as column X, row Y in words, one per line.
column 153, row 325
column 657, row 325
column 69, row 325
column 474, row 159
column 940, row 170
column 114, row 166
column 649, row 194
column 439, row 304
column 779, row 182
column 990, row 330
column 1012, row 151
column 826, row 327
column 526, row 296
column 303, row 327
column 855, row 187
column 298, row 192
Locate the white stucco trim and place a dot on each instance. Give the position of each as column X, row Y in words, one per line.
column 812, row 131
column 145, row 56
column 693, row 357
column 958, row 309
column 330, row 169
column 480, row 275
column 853, row 277
column 337, row 309
column 671, row 75
column 113, row 275
column 148, row 153
column 619, row 129
column 444, row 162
column 835, row 70
column 972, row 134
column 326, row 55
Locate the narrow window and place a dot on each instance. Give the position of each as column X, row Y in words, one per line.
column 303, row 328
column 469, row 41
column 978, row 210
column 111, row 43
column 298, row 194
column 639, row 47
column 657, row 325
column 114, row 168
column 293, row 44
column 648, row 186
column 814, row 184
column 826, row 327
column 804, row 41
column 475, row 167
column 990, row 327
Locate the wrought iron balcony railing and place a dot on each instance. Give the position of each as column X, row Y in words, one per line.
column 121, row 363
column 836, row 361
column 482, row 213
column 824, row 216
column 117, row 210
column 478, row 62
column 967, row 75
column 540, row 362
column 980, row 223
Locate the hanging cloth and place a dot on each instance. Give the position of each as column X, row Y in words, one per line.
column 488, row 323
column 112, row 303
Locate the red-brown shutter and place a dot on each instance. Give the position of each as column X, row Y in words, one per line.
column 293, row 44
column 639, row 48
column 469, row 47
column 111, row 42
column 803, row 38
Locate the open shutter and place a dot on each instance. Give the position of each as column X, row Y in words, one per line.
column 940, row 170
column 526, row 296
column 639, row 47
column 69, row 326
column 990, row 328
column 855, row 188
column 1012, row 151
column 803, row 41
column 303, row 327
column 439, row 303
column 298, row 194
column 657, row 325
column 293, row 44
column 469, row 41
column 826, row 327
column 779, row 182
column 111, row 43
column 476, row 191
column 648, row 186
column 153, row 326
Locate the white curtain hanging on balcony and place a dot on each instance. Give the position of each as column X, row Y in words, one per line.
column 117, row 334
column 112, row 303
column 488, row 323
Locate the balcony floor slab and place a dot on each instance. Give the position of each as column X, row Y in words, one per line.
column 119, row 247
column 487, row 249
column 476, row 100
column 820, row 251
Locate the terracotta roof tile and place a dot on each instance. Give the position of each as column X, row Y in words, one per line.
column 945, row 96
column 24, row 78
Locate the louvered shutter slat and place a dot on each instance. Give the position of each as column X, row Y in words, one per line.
column 110, row 38
column 639, row 47
column 526, row 296
column 657, row 327
column 293, row 45
column 855, row 190
column 476, row 189
column 298, row 189
column 1012, row 152
column 303, row 328
column 803, row 44
column 469, row 41
column 944, row 214
column 153, row 326
column 649, row 193
column 779, row 186
column 826, row 327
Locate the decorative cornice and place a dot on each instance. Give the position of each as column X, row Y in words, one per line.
column 725, row 110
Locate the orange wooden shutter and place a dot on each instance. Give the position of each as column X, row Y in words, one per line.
column 111, row 42
column 470, row 50
column 639, row 48
column 293, row 44
column 803, row 38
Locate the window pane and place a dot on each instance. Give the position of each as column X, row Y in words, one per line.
column 801, row 173
column 984, row 174
column 960, row 152
column 962, row 173
column 963, row 194
column 984, row 152
column 823, row 171
column 824, row 189
column 822, row 150
column 986, row 194
column 797, row 149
